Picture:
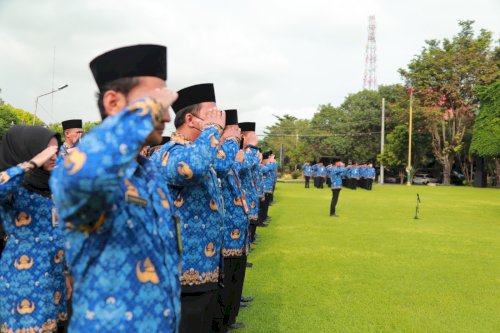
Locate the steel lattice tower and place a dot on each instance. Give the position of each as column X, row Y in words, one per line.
column 370, row 77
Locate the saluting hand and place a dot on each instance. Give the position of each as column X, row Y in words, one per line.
column 232, row 131
column 240, row 155
column 214, row 116
column 44, row 156
column 164, row 96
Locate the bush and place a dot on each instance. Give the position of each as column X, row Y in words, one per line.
column 296, row 174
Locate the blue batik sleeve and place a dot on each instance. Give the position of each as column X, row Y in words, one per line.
column 11, row 179
column 225, row 157
column 188, row 164
column 86, row 180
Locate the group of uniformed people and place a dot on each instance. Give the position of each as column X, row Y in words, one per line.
column 337, row 175
column 141, row 233
column 356, row 175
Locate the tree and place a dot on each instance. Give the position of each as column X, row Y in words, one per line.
column 10, row 116
column 288, row 131
column 444, row 77
column 486, row 134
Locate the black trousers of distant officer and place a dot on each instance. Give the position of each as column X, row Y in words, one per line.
column 267, row 202
column 229, row 296
column 328, row 182
column 369, row 183
column 253, row 228
column 307, row 178
column 197, row 311
column 321, row 181
column 335, row 198
column 354, row 183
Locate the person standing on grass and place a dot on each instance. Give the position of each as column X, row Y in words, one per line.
column 188, row 166
column 306, row 172
column 121, row 238
column 248, row 173
column 33, row 285
column 370, row 176
column 336, row 172
column 320, row 174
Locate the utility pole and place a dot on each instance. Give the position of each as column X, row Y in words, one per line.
column 382, row 141
column 410, row 126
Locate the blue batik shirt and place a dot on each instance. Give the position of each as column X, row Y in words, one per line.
column 267, row 175
column 188, row 169
column 355, row 172
column 32, row 281
column 235, row 219
column 248, row 176
column 320, row 171
column 336, row 174
column 307, row 169
column 122, row 241
column 370, row 172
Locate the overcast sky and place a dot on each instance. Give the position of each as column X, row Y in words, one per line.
column 265, row 57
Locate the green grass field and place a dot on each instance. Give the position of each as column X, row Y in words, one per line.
column 375, row 268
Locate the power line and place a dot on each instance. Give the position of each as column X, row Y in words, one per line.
column 319, row 135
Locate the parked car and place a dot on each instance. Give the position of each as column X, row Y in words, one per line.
column 456, row 178
column 423, row 179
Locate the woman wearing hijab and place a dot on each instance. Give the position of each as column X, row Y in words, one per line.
column 32, row 281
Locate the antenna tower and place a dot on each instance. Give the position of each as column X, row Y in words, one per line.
column 370, row 77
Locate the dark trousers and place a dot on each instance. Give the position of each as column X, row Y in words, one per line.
column 240, row 280
column 369, row 184
column 197, row 311
column 307, row 178
column 328, row 182
column 321, row 181
column 267, row 202
column 335, row 198
column 354, row 183
column 229, row 296
column 252, row 228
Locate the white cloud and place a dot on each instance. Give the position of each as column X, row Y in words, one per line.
column 265, row 57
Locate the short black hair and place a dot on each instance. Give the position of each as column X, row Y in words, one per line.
column 180, row 116
column 123, row 85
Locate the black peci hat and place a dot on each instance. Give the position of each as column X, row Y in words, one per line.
column 265, row 156
column 130, row 61
column 72, row 123
column 247, row 127
column 194, row 95
column 231, row 117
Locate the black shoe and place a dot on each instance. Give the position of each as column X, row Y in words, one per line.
column 246, row 299
column 243, row 305
column 268, row 219
column 237, row 326
column 249, row 265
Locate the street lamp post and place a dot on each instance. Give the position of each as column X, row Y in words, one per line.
column 410, row 127
column 50, row 92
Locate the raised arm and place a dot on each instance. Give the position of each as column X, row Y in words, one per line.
column 225, row 156
column 185, row 165
column 86, row 180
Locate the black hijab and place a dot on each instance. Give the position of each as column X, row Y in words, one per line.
column 21, row 144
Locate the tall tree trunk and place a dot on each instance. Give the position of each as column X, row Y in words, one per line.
column 497, row 169
column 448, row 164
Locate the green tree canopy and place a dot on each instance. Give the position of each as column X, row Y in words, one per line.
column 486, row 134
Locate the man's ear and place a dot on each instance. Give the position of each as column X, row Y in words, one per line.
column 113, row 102
column 189, row 120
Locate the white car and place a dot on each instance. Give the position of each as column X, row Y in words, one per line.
column 423, row 179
